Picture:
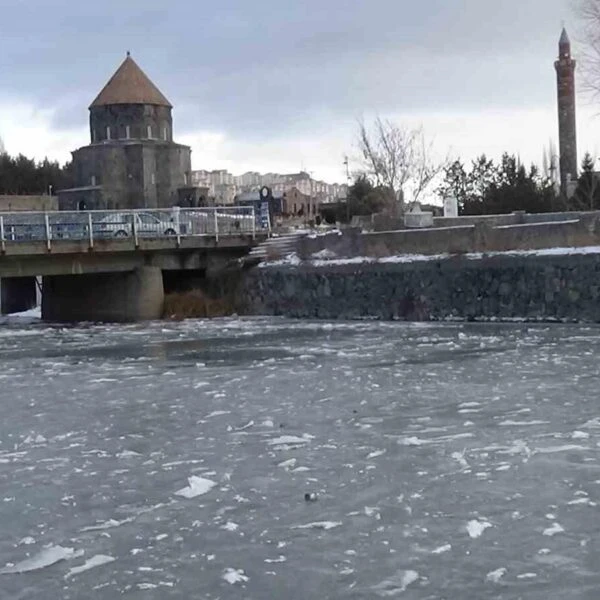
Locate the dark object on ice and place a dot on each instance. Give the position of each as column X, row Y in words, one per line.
column 310, row 497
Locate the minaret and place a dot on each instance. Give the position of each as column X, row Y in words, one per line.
column 567, row 127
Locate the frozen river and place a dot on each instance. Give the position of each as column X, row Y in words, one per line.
column 172, row 460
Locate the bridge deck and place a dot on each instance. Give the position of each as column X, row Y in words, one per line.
column 112, row 241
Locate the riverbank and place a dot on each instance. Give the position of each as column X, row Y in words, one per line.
column 554, row 284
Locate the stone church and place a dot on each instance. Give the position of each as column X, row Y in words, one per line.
column 132, row 160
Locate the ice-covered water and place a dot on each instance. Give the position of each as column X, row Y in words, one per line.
column 172, row 460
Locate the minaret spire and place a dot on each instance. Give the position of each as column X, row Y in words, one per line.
column 567, row 123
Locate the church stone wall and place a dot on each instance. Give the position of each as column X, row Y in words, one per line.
column 143, row 120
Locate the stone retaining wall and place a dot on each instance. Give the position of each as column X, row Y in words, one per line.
column 536, row 288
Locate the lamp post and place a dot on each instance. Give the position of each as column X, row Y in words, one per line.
column 346, row 163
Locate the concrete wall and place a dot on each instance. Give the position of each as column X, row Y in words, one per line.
column 507, row 287
column 9, row 203
column 478, row 237
column 108, row 297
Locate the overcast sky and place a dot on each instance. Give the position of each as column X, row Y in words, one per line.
column 278, row 85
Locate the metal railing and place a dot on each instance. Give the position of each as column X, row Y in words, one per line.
column 174, row 223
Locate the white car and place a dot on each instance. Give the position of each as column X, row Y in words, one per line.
column 121, row 225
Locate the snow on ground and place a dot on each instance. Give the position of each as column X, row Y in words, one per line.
column 34, row 313
column 326, row 258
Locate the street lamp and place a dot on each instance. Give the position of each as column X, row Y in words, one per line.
column 346, row 164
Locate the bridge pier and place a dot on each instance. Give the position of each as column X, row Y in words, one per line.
column 17, row 294
column 111, row 297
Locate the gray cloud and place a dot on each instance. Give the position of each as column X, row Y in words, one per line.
column 275, row 67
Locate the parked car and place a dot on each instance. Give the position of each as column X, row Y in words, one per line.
column 121, row 225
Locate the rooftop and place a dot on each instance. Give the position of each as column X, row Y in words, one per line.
column 130, row 85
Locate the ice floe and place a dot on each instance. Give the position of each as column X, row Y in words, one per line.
column 326, row 525
column 26, row 541
column 375, row 454
column 496, row 576
column 412, row 441
column 476, row 528
column 288, row 464
column 235, row 576
column 289, row 440
column 197, row 487
column 396, row 584
column 45, row 558
column 95, row 561
column 555, row 529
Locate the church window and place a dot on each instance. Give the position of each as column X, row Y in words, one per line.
column 93, row 182
column 153, row 178
column 149, row 132
column 127, row 131
column 108, row 133
column 165, row 134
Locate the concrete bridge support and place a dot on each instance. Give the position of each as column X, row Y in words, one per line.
column 111, row 297
column 17, row 294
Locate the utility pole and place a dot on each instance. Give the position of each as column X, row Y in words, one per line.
column 347, row 164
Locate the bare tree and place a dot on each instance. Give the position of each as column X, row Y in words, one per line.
column 589, row 15
column 398, row 159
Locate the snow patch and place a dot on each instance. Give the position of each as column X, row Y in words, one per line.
column 33, row 313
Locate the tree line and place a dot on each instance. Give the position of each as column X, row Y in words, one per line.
column 398, row 171
column 25, row 176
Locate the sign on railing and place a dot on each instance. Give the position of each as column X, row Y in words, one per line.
column 91, row 226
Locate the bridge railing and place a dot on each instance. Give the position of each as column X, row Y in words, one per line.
column 95, row 225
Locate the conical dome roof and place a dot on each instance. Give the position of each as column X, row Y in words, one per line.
column 130, row 85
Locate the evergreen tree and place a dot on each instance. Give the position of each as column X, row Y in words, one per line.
column 587, row 194
column 488, row 188
column 365, row 199
column 22, row 175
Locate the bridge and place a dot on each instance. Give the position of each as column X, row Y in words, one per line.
column 113, row 265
